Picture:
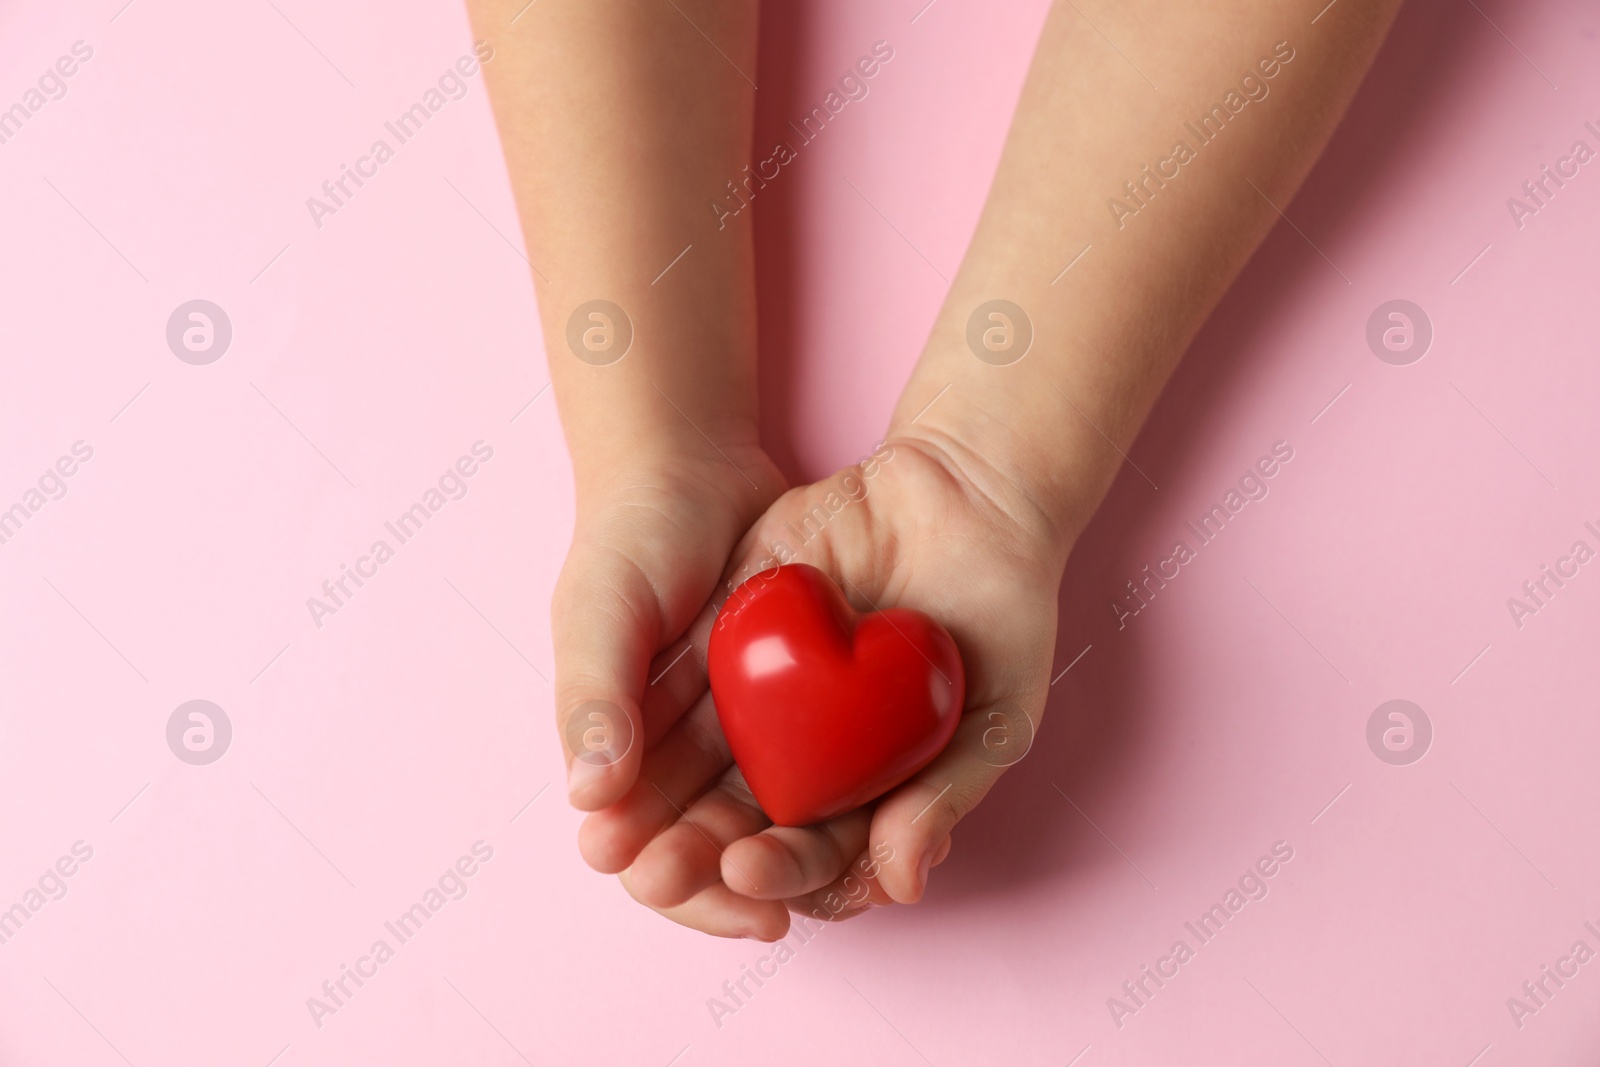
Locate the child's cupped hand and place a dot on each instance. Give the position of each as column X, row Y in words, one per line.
column 650, row 541
column 927, row 525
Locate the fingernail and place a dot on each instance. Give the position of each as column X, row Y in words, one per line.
column 598, row 734
column 583, row 774
column 922, row 871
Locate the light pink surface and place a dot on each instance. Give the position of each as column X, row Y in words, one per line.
column 369, row 754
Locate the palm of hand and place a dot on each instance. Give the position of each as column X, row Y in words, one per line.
column 913, row 530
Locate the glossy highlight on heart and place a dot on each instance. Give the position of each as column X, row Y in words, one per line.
column 825, row 708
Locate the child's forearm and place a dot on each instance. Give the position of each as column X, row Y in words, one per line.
column 621, row 122
column 1093, row 162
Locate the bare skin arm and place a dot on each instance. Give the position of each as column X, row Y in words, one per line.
column 1108, row 333
column 997, row 464
column 619, row 121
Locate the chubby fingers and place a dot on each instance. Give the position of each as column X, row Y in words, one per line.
column 686, row 762
column 678, row 874
column 687, row 856
column 855, row 891
column 720, row 912
column 787, row 861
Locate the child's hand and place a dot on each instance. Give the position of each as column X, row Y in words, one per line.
column 936, row 530
column 1050, row 384
column 648, row 547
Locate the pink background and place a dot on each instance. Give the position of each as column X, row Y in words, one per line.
column 369, row 754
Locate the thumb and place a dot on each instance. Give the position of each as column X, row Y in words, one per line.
column 605, row 626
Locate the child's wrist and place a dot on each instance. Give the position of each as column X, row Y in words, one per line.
column 636, row 464
column 1038, row 526
column 1057, row 475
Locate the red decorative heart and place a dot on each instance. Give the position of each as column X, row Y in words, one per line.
column 825, row 709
